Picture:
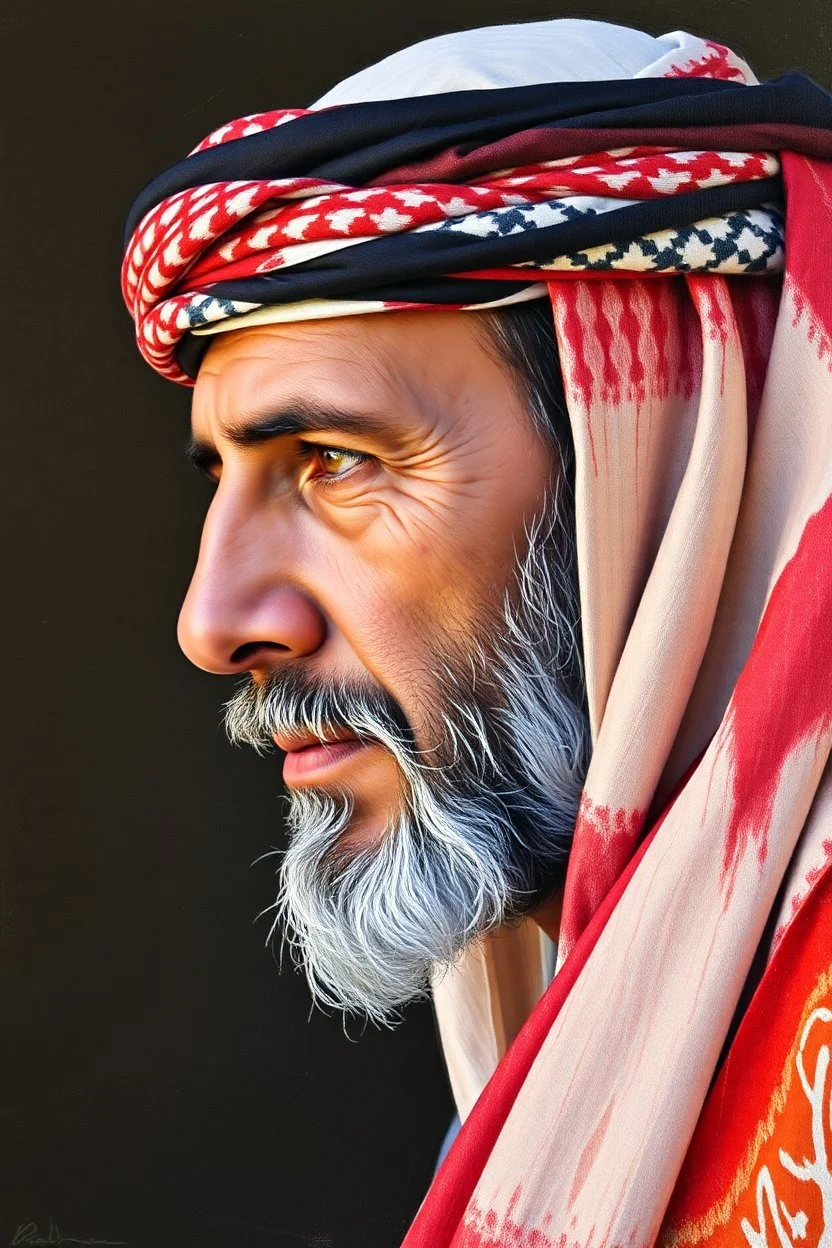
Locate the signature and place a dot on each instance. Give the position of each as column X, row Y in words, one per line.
column 27, row 1233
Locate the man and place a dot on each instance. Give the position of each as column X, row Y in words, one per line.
column 551, row 541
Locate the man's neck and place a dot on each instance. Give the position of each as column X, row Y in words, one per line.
column 548, row 913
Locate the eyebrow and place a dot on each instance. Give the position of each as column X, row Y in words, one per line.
column 296, row 417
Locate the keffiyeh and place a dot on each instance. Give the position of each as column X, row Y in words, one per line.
column 678, row 216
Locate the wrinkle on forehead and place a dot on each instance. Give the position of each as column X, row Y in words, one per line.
column 419, row 361
column 376, row 350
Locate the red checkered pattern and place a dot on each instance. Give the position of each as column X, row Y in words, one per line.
column 230, row 230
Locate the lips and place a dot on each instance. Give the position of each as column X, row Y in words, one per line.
column 309, row 759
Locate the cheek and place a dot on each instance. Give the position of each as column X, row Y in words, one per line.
column 425, row 563
column 404, row 617
column 390, row 551
column 406, row 585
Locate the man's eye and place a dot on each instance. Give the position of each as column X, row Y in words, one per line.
column 334, row 461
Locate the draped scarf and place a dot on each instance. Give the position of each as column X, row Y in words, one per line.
column 672, row 1083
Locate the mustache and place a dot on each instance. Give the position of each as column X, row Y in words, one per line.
column 293, row 701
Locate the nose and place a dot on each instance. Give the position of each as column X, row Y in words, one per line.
column 242, row 610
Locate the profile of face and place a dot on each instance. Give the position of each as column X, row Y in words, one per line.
column 388, row 562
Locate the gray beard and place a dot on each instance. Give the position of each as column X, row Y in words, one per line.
column 488, row 811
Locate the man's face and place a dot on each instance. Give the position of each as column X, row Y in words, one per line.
column 378, row 477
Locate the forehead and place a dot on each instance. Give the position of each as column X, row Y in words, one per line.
column 403, row 357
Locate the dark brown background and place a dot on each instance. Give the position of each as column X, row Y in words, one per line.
column 162, row 1083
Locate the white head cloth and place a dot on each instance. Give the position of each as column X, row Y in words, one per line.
column 515, row 55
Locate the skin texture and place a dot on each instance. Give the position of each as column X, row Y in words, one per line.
column 353, row 568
